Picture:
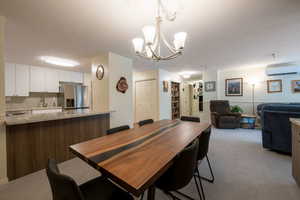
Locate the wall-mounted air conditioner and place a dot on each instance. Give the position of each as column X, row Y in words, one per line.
column 283, row 69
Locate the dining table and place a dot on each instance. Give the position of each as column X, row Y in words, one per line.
column 135, row 158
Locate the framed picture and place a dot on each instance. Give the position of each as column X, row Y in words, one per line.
column 234, row 87
column 210, row 86
column 165, row 86
column 296, row 86
column 274, row 86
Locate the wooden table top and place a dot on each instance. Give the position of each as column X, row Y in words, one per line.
column 135, row 158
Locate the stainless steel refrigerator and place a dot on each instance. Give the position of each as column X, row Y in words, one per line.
column 73, row 96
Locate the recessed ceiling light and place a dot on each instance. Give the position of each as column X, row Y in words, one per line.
column 59, row 61
column 186, row 76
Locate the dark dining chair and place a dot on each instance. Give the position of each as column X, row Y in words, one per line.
column 204, row 139
column 117, row 129
column 65, row 188
column 180, row 173
column 190, row 119
column 144, row 122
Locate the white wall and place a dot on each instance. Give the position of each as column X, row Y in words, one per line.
column 208, row 75
column 100, row 93
column 121, row 104
column 261, row 94
column 3, row 173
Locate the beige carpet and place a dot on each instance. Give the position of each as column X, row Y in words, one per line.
column 243, row 170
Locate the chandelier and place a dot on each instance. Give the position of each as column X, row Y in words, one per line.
column 150, row 48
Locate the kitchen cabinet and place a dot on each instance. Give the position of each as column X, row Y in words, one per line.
column 69, row 76
column 17, row 79
column 77, row 77
column 37, row 79
column 10, row 79
column 51, row 80
column 22, row 80
column 296, row 149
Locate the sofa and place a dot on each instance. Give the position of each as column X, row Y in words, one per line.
column 276, row 127
column 222, row 117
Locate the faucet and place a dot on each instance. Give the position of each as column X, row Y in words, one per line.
column 43, row 101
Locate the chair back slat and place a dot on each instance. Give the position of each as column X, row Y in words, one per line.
column 144, row 122
column 117, row 129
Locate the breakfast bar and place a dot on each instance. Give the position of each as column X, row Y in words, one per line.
column 32, row 139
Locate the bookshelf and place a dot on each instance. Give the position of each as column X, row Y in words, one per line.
column 175, row 102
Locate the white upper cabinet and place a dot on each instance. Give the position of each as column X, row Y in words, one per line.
column 52, row 80
column 69, row 76
column 16, row 80
column 37, row 79
column 22, row 80
column 77, row 77
column 10, row 79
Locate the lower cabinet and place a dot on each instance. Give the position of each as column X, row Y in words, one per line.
column 29, row 146
column 296, row 151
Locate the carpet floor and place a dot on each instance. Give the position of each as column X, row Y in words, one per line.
column 242, row 168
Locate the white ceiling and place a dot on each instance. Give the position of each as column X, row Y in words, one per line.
column 221, row 33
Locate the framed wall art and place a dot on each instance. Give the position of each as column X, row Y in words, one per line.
column 234, row 87
column 165, row 86
column 122, row 85
column 296, row 86
column 210, row 86
column 274, row 86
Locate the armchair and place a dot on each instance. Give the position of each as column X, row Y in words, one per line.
column 221, row 117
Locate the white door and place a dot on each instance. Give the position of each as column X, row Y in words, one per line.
column 22, row 80
column 52, row 81
column 10, row 79
column 37, row 79
column 145, row 100
column 185, row 99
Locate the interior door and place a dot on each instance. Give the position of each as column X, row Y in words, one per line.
column 145, row 100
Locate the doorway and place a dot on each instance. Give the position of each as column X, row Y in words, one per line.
column 146, row 105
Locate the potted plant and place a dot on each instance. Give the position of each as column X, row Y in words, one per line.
column 236, row 109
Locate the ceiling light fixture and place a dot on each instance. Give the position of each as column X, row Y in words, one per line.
column 59, row 61
column 186, row 74
column 150, row 48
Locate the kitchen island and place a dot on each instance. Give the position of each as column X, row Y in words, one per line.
column 33, row 139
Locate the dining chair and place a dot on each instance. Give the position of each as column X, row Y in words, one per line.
column 191, row 119
column 117, row 129
column 65, row 188
column 144, row 122
column 204, row 139
column 180, row 173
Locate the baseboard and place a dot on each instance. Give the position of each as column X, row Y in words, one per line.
column 3, row 180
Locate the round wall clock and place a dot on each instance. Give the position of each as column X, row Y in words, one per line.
column 100, row 72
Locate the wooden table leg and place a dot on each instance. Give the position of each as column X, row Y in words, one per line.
column 151, row 193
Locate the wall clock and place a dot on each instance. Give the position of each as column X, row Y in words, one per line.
column 100, row 72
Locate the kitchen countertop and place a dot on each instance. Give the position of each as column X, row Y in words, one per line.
column 295, row 121
column 32, row 108
column 33, row 118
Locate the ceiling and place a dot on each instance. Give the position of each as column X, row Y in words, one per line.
column 221, row 33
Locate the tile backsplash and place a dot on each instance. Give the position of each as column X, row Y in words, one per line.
column 34, row 100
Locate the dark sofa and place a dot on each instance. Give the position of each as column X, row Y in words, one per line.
column 276, row 127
